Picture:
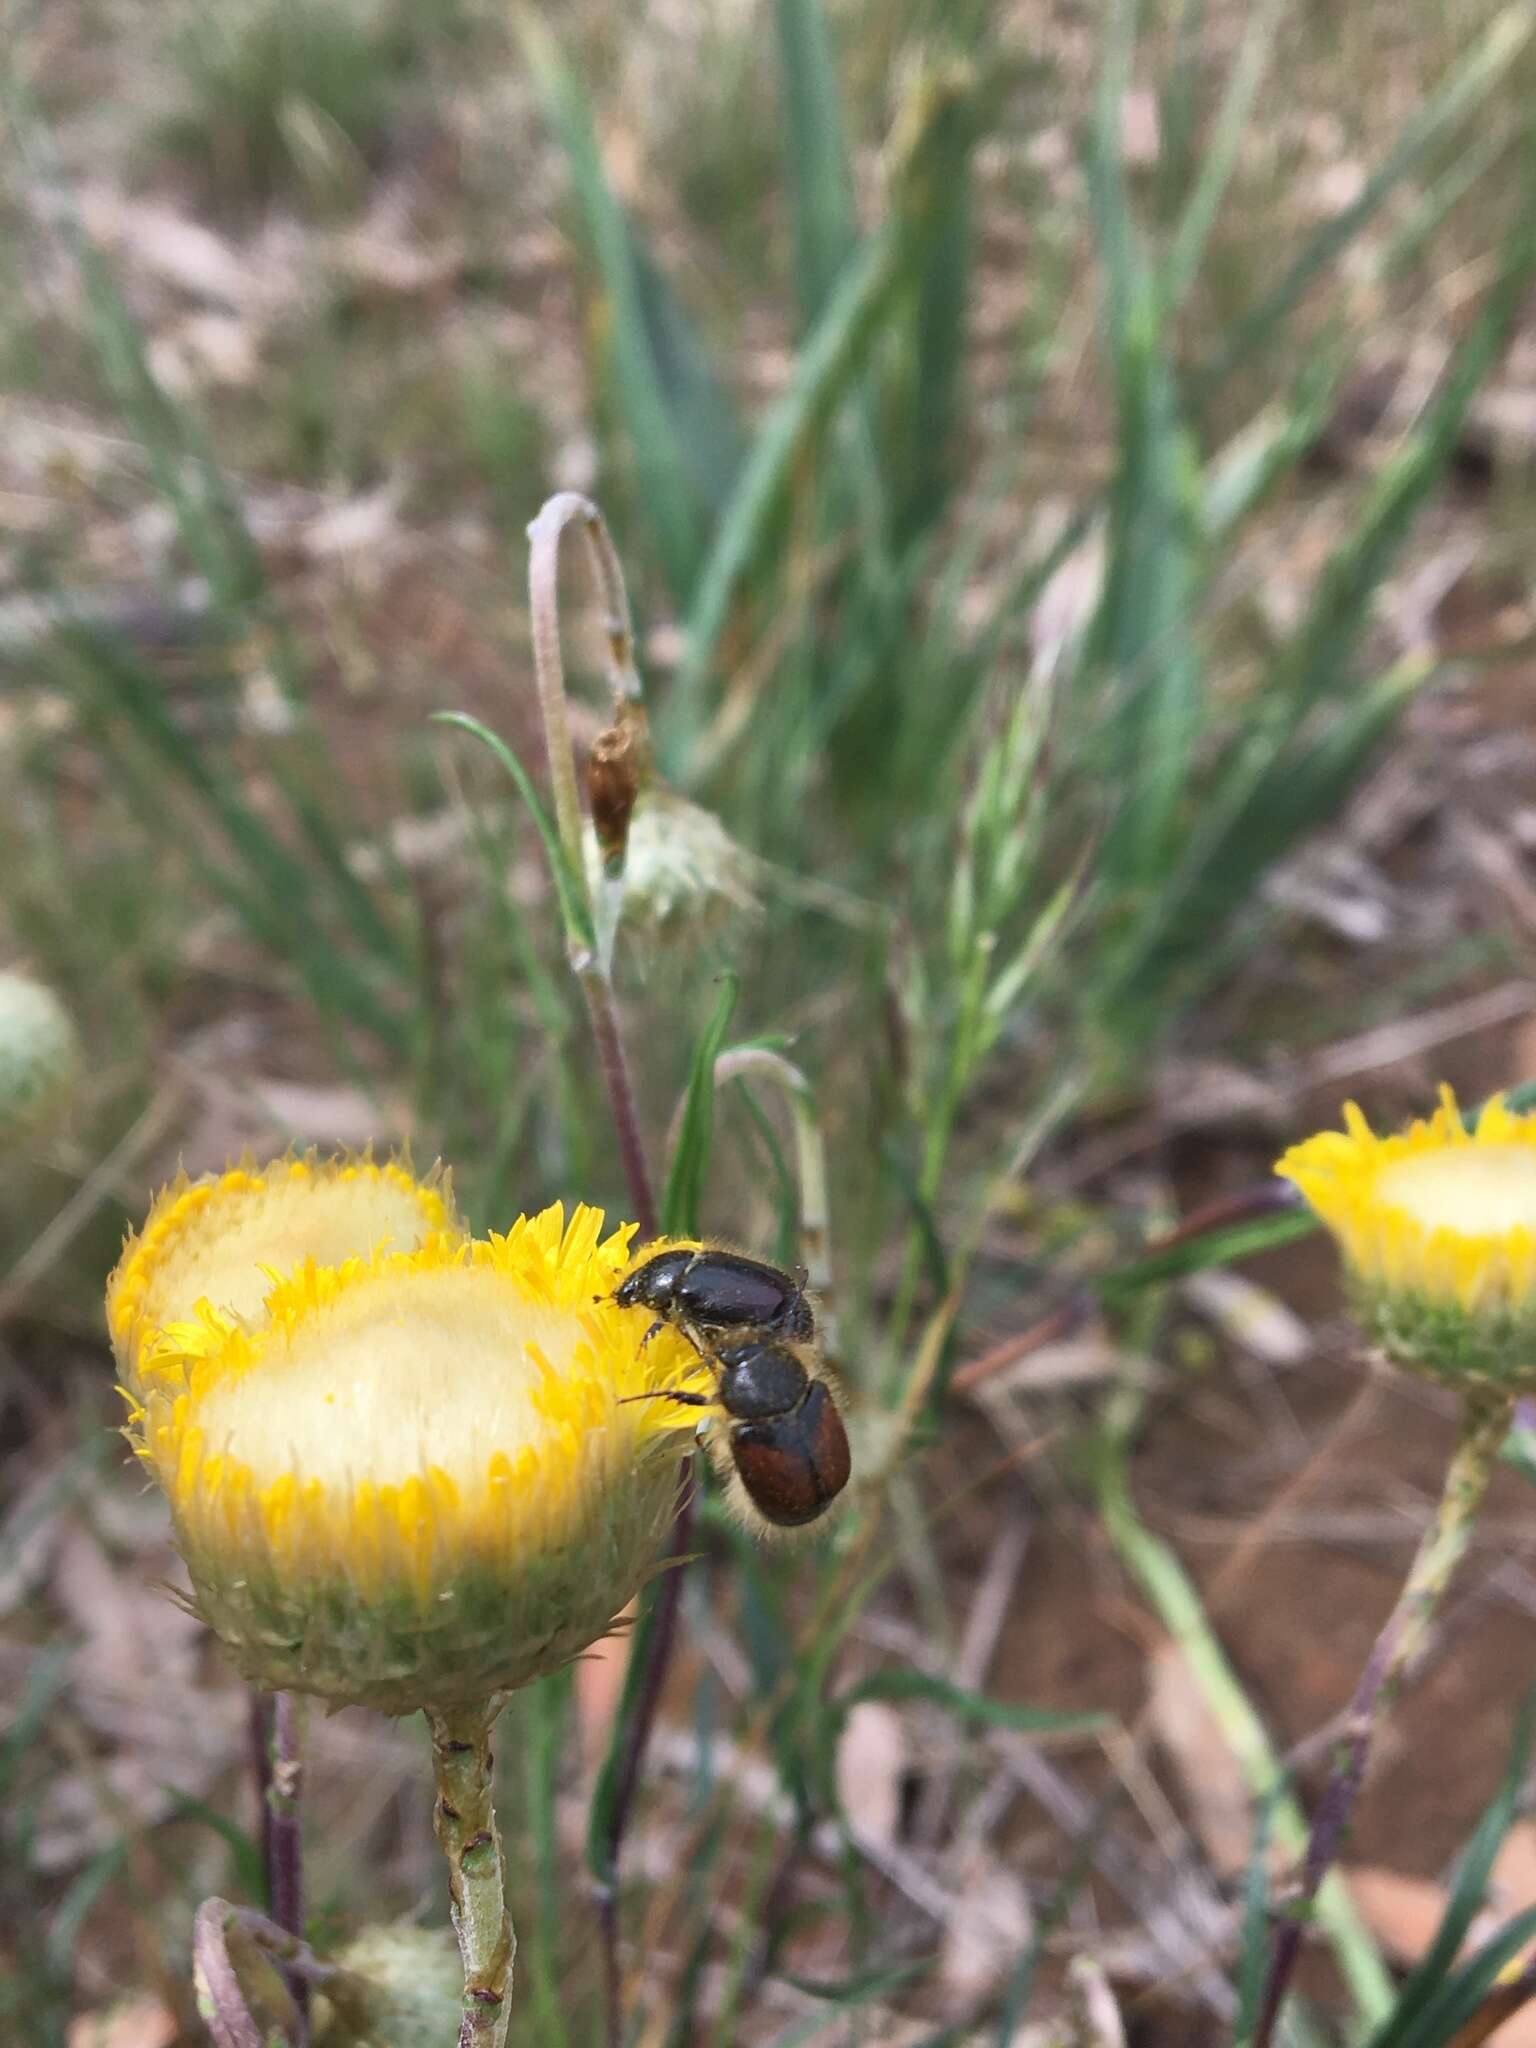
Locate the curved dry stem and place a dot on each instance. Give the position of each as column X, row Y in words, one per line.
column 603, row 1012
column 224, row 1997
column 565, row 509
column 465, row 1821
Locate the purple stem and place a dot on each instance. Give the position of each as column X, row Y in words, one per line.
column 281, row 1777
column 259, row 1725
column 1330, row 1823
column 635, row 1737
column 621, row 1097
column 1485, row 1420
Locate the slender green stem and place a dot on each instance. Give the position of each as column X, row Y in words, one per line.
column 1168, row 1586
column 1485, row 1420
column 811, row 1165
column 466, row 1826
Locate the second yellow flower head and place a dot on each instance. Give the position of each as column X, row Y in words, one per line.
column 1437, row 1225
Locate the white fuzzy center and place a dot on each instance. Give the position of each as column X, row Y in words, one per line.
column 278, row 1227
column 1476, row 1191
column 383, row 1385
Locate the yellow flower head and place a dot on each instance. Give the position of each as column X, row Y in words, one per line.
column 422, row 1478
column 224, row 1241
column 1437, row 1225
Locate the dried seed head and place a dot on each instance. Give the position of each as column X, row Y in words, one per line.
column 406, row 1987
column 685, row 880
column 618, row 768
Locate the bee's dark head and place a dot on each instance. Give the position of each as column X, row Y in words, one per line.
column 653, row 1284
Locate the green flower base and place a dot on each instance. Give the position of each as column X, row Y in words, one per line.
column 1461, row 1348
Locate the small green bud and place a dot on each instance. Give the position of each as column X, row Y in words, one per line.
column 40, row 1057
column 406, row 1991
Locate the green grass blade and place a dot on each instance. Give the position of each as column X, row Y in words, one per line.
column 1355, row 572
column 1212, row 1248
column 940, row 202
column 704, row 416
column 1277, row 791
column 1124, row 265
column 1469, row 85
column 273, row 889
column 817, row 176
column 967, row 1705
column 1220, row 155
column 214, row 533
column 569, row 890
column 1254, row 1945
column 1276, row 784
column 1140, row 634
column 831, row 358
column 245, row 1855
column 1241, row 475
column 539, row 1951
column 673, row 509
column 1425, row 1983
column 682, row 1203
column 1439, row 2024
column 864, row 1984
column 1176, row 1601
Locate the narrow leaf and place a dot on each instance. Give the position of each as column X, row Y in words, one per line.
column 682, row 1203
column 967, row 1705
column 816, row 167
column 569, row 888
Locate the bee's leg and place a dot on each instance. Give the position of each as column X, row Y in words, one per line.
column 671, row 1394
column 654, row 1331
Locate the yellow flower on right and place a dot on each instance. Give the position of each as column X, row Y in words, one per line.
column 1437, row 1226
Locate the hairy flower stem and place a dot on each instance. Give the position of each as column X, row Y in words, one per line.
column 284, row 1835
column 598, row 990
column 277, row 1741
column 466, row 1827
column 1485, row 1421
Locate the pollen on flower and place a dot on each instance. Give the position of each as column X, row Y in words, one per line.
column 424, row 1474
column 1437, row 1225
column 224, row 1240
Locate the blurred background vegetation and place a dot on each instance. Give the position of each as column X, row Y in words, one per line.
column 1074, row 466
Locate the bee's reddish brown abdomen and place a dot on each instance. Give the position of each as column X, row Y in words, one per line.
column 794, row 1465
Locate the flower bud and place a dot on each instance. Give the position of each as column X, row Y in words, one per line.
column 39, row 1056
column 685, row 880
column 618, row 768
column 405, row 1989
